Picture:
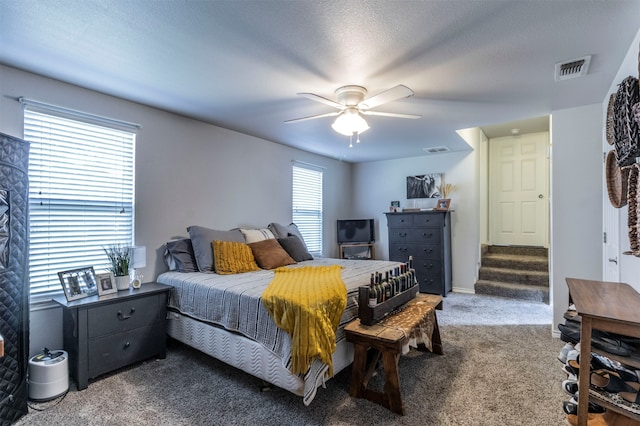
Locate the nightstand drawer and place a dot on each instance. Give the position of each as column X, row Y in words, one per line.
column 117, row 350
column 125, row 315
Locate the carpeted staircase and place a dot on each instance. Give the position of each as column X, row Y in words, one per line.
column 515, row 272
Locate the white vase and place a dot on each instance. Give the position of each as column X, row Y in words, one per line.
column 122, row 282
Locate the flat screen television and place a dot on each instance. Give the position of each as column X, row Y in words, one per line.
column 355, row 231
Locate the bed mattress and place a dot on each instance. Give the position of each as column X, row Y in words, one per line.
column 232, row 304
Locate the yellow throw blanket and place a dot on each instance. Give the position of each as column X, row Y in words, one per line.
column 307, row 303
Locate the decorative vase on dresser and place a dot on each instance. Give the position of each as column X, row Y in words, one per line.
column 425, row 235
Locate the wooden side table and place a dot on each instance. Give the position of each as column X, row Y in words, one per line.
column 387, row 338
column 104, row 333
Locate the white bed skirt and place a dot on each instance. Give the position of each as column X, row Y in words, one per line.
column 248, row 355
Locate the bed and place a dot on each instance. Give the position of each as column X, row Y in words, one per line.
column 223, row 316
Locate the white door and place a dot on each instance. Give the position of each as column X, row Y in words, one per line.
column 519, row 206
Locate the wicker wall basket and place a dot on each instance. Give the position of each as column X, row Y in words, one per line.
column 611, row 137
column 617, row 181
column 632, row 197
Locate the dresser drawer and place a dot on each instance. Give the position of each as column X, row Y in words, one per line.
column 400, row 252
column 399, row 220
column 112, row 352
column 400, row 235
column 125, row 315
column 430, row 284
column 425, row 235
column 436, row 220
column 427, row 267
column 428, row 251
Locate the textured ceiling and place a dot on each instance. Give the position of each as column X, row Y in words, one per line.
column 239, row 64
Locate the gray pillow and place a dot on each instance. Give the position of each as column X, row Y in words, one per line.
column 180, row 255
column 296, row 248
column 281, row 231
column 202, row 238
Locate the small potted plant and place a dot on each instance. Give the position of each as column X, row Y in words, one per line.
column 119, row 264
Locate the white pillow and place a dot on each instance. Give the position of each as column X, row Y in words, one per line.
column 255, row 235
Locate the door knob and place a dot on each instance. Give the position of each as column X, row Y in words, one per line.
column 540, row 196
column 613, row 260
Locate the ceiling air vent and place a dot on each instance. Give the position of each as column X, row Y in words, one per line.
column 572, row 69
column 436, row 149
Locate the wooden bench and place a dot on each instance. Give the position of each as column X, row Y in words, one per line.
column 388, row 338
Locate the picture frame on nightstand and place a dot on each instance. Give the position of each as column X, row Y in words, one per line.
column 106, row 283
column 78, row 283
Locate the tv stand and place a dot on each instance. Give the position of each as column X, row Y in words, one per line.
column 360, row 251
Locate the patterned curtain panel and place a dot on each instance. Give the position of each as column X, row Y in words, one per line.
column 14, row 284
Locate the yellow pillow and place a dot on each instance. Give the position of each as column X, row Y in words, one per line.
column 233, row 258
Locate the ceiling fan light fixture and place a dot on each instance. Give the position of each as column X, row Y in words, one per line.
column 350, row 122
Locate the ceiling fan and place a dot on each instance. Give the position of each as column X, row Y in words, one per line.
column 352, row 105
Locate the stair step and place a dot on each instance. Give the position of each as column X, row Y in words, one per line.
column 513, row 290
column 530, row 277
column 518, row 250
column 518, row 262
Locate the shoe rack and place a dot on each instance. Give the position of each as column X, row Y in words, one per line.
column 610, row 307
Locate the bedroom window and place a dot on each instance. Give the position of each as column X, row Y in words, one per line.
column 81, row 192
column 307, row 204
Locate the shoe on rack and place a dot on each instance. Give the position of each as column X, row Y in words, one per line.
column 600, row 362
column 571, row 407
column 611, row 382
column 570, row 387
column 562, row 356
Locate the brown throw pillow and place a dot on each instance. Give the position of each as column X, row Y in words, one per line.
column 269, row 254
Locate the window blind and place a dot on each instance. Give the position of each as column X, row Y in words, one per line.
column 81, row 195
column 307, row 205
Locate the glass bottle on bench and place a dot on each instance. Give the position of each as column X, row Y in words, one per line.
column 373, row 293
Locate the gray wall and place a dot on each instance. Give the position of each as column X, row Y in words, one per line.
column 187, row 173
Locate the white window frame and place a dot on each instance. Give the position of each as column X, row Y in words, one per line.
column 74, row 216
column 306, row 202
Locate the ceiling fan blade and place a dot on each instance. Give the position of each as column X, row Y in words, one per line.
column 321, row 99
column 398, row 92
column 391, row 114
column 313, row 117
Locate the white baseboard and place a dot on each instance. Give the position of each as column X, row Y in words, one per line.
column 463, row 290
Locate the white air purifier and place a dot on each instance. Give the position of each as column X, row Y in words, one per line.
column 48, row 375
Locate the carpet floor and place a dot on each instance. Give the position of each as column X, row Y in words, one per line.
column 499, row 367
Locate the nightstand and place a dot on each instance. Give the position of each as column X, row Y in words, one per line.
column 104, row 333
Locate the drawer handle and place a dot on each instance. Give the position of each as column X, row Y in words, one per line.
column 428, row 265
column 402, row 234
column 429, row 235
column 126, row 345
column 123, row 317
column 402, row 249
column 428, row 250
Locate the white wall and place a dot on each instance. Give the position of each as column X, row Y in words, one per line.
column 576, row 194
column 376, row 184
column 629, row 265
column 187, row 173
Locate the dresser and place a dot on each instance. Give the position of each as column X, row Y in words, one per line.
column 426, row 236
column 102, row 334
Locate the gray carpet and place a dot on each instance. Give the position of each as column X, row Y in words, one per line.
column 499, row 368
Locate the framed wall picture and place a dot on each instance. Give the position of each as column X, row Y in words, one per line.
column 106, row 283
column 424, row 186
column 78, row 283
